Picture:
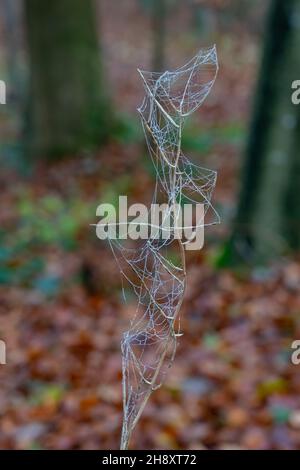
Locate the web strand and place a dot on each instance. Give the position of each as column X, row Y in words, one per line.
column 155, row 270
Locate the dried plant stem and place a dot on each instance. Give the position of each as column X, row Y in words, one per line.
column 125, row 438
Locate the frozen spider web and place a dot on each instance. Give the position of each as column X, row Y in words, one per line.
column 155, row 270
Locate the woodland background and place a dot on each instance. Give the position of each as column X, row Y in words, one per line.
column 70, row 139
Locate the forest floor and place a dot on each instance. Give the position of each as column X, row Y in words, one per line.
column 62, row 313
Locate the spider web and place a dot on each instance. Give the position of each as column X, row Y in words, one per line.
column 155, row 270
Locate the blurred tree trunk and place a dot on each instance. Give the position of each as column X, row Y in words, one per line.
column 292, row 199
column 159, row 17
column 266, row 223
column 68, row 107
